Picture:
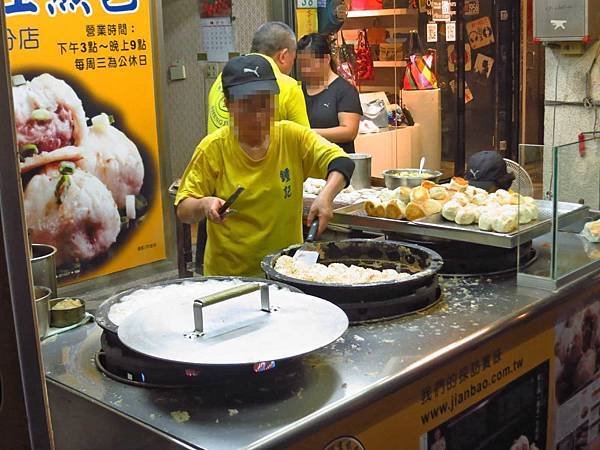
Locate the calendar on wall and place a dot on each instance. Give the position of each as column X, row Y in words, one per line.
column 217, row 38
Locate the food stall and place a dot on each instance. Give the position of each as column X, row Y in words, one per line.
column 466, row 354
column 388, row 384
column 450, row 351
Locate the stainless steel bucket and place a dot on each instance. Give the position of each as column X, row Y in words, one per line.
column 43, row 266
column 361, row 179
column 42, row 309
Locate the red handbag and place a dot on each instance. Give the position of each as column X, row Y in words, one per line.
column 361, row 5
column 364, row 58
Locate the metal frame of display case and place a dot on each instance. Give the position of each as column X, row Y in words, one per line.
column 18, row 273
column 23, row 396
column 582, row 266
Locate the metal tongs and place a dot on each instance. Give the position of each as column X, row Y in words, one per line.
column 224, row 210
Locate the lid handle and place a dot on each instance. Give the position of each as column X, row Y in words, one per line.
column 228, row 294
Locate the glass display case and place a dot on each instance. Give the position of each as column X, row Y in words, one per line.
column 569, row 214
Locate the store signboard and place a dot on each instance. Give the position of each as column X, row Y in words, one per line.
column 306, row 21
column 85, row 109
column 306, row 4
column 535, row 387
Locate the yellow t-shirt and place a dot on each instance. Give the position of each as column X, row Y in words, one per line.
column 269, row 211
column 290, row 105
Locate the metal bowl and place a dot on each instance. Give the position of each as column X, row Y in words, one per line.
column 60, row 318
column 393, row 179
column 422, row 262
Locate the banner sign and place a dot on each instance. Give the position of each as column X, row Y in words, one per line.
column 85, row 110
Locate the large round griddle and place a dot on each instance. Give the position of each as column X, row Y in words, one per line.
column 235, row 331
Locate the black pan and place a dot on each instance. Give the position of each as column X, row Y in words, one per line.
column 376, row 254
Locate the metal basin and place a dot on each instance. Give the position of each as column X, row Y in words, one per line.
column 393, row 179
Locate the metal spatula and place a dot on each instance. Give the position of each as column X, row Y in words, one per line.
column 303, row 254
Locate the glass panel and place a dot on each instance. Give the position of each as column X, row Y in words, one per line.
column 566, row 186
column 576, row 181
column 529, row 181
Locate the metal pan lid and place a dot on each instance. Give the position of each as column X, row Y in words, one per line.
column 201, row 285
column 235, row 331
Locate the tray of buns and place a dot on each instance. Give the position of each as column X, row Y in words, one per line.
column 456, row 211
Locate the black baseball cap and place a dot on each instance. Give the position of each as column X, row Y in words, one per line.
column 248, row 74
column 487, row 170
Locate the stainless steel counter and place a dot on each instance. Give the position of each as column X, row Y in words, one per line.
column 367, row 363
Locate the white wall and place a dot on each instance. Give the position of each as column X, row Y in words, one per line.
column 579, row 177
column 185, row 114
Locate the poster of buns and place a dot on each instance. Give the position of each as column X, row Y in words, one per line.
column 577, row 379
column 85, row 118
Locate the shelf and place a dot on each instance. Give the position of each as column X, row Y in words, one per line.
column 389, row 63
column 377, row 88
column 382, row 12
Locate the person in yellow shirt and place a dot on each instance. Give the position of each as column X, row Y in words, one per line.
column 277, row 42
column 270, row 160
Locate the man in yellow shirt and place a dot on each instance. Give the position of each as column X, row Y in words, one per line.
column 277, row 42
column 270, row 160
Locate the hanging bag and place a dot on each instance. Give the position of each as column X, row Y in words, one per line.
column 420, row 72
column 364, row 58
column 362, row 5
column 346, row 61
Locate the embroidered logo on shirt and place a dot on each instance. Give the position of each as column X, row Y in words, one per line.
column 286, row 179
column 285, row 175
column 254, row 71
column 326, row 105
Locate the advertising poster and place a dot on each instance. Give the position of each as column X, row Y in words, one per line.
column 577, row 380
column 480, row 32
column 453, row 57
column 85, row 110
column 512, row 418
